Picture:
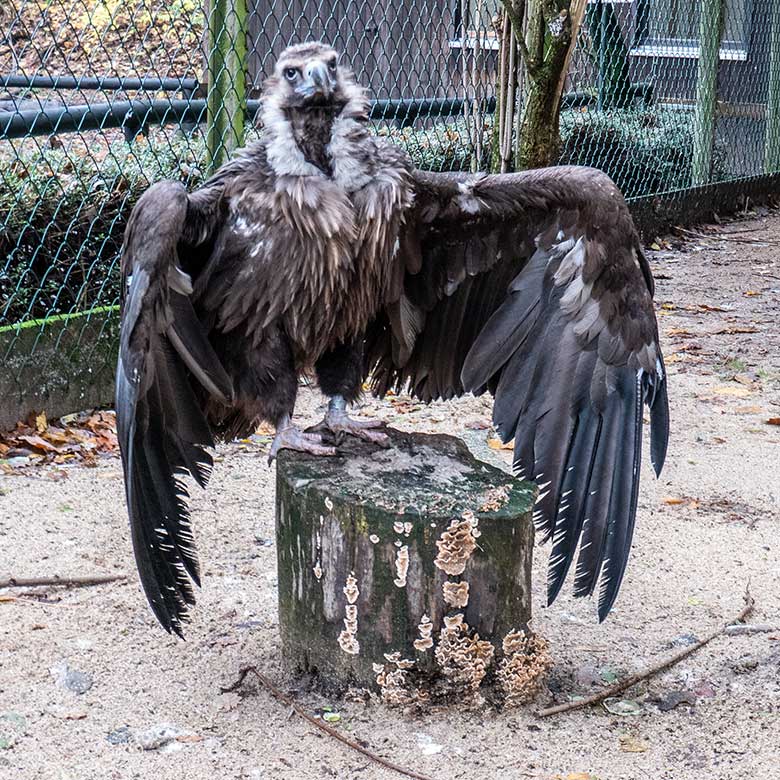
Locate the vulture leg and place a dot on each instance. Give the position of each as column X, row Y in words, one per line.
column 339, row 373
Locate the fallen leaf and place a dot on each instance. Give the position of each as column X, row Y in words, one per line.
column 38, row 443
column 655, row 246
column 773, row 421
column 751, row 293
column 56, row 435
column 748, row 410
column 497, row 444
column 743, row 379
column 739, row 392
column 673, row 501
column 679, row 332
column 622, row 706
column 579, row 776
column 189, row 738
column 41, row 423
column 629, row 744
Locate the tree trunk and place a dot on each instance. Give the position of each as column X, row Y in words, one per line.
column 553, row 26
column 406, row 568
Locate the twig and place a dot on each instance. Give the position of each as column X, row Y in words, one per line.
column 726, row 237
column 61, row 582
column 286, row 700
column 629, row 682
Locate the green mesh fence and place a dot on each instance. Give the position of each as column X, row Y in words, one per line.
column 100, row 98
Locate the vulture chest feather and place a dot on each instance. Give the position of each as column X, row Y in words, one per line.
column 312, row 256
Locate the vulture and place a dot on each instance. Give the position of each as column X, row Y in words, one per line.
column 320, row 248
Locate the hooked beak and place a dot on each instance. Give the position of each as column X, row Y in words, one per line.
column 317, row 81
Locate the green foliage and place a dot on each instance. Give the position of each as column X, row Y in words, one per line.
column 62, row 216
column 63, row 212
column 443, row 146
column 646, row 152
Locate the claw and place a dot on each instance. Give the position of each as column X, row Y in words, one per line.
column 291, row 437
column 337, row 421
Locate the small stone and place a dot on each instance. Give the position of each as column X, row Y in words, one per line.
column 675, row 699
column 158, row 736
column 684, row 640
column 587, row 676
column 72, row 679
column 120, row 736
column 427, row 746
column 745, row 665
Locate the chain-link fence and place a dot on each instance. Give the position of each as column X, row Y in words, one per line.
column 100, row 98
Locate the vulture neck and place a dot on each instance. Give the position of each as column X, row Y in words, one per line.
column 317, row 141
column 312, row 130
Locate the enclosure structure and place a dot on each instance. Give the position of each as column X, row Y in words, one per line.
column 678, row 102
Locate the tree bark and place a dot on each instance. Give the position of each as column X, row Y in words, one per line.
column 404, row 567
column 553, row 26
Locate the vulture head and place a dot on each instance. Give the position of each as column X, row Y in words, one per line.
column 307, row 77
column 308, row 91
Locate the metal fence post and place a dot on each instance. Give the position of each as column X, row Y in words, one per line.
column 772, row 138
column 710, row 32
column 226, row 99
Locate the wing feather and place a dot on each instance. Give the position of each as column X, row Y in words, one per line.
column 534, row 286
column 162, row 427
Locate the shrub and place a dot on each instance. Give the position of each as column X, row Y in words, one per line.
column 63, row 210
column 645, row 152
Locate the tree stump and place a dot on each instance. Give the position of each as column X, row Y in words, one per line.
column 407, row 568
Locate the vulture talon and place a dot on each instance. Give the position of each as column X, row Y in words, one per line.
column 291, row 437
column 338, row 422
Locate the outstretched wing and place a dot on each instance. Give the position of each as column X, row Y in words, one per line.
column 534, row 286
column 161, row 424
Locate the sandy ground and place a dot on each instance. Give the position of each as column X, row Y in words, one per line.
column 705, row 529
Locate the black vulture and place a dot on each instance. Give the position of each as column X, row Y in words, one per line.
column 321, row 248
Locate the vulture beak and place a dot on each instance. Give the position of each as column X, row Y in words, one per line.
column 317, row 81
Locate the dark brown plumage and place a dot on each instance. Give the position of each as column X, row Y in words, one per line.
column 321, row 248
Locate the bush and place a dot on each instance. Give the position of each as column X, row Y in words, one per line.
column 62, row 217
column 646, row 152
column 63, row 211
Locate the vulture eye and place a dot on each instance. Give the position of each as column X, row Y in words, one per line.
column 291, row 74
column 332, row 65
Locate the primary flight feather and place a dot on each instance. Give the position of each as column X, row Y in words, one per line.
column 321, row 248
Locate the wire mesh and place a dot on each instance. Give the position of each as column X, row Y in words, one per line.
column 100, row 98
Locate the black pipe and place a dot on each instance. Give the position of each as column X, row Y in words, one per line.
column 97, row 82
column 134, row 114
column 137, row 114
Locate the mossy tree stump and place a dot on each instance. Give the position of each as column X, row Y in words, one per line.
column 407, row 567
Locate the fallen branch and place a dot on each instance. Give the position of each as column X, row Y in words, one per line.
column 726, row 237
column 286, row 700
column 661, row 666
column 61, row 582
